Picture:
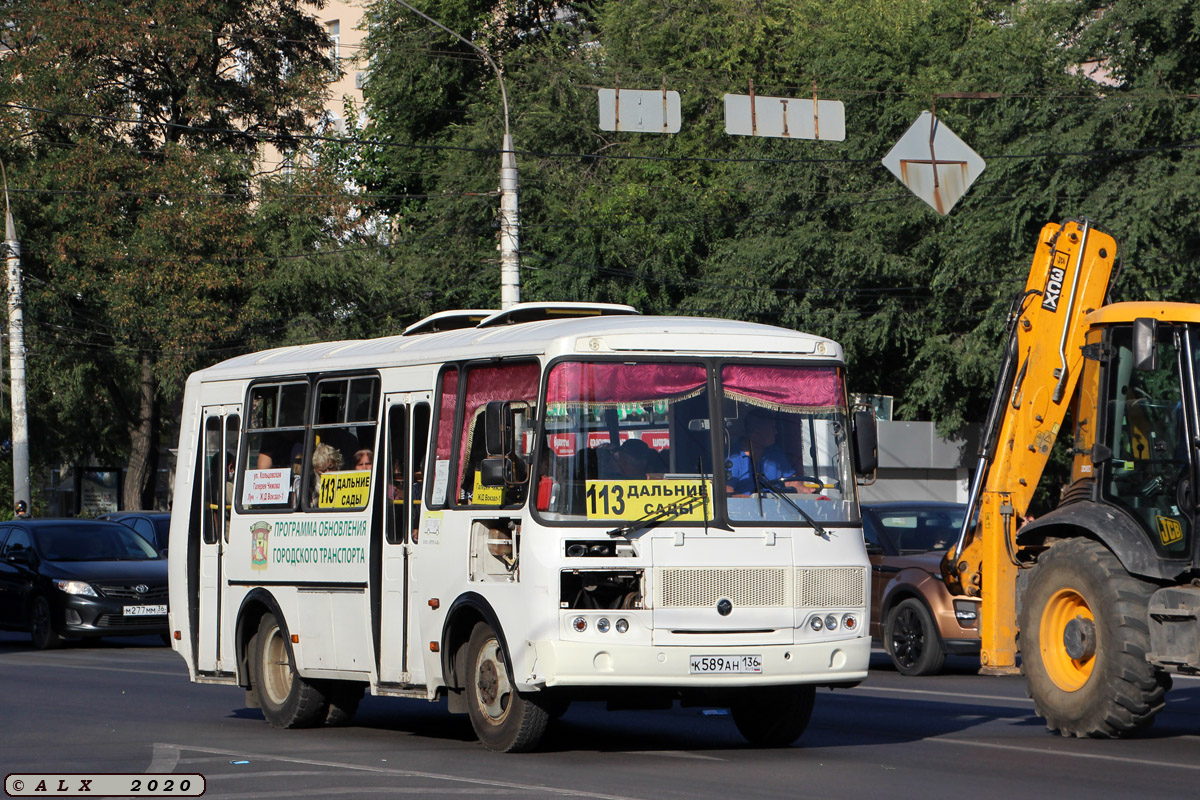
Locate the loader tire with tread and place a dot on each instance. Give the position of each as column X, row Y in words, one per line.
column 1100, row 684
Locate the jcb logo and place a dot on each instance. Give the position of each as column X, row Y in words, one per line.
column 1054, row 282
column 1169, row 530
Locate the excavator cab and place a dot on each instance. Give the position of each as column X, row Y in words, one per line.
column 1151, row 468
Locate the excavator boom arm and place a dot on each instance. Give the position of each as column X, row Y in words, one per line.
column 1043, row 360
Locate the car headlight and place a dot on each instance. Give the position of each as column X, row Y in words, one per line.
column 77, row 587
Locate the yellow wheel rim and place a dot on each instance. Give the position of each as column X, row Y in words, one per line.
column 1069, row 674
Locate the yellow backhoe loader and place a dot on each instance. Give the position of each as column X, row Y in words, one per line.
column 1100, row 596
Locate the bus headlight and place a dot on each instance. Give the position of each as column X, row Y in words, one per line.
column 816, row 624
column 602, row 625
column 622, row 625
column 831, row 622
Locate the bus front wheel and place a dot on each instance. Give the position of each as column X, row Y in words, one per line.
column 286, row 699
column 773, row 716
column 504, row 719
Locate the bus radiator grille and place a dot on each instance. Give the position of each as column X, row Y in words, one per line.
column 830, row 587
column 698, row 587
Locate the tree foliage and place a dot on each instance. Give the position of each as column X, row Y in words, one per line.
column 132, row 128
column 811, row 235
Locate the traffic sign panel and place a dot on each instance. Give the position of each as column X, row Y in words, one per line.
column 785, row 117
column 933, row 163
column 639, row 110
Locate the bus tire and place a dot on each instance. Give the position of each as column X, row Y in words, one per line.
column 1084, row 639
column 343, row 698
column 286, row 699
column 773, row 716
column 504, row 719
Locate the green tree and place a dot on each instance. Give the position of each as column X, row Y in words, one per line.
column 134, row 127
column 811, row 235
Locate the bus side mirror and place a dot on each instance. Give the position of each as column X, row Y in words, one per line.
column 498, row 428
column 491, row 471
column 1145, row 344
column 866, row 443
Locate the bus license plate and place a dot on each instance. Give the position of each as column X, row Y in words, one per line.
column 145, row 611
column 725, row 664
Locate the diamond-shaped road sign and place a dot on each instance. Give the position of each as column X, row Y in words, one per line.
column 933, row 163
column 639, row 110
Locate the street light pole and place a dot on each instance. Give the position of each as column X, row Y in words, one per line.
column 16, row 357
column 510, row 263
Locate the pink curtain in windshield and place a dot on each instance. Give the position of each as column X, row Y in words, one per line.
column 485, row 384
column 784, row 388
column 578, row 382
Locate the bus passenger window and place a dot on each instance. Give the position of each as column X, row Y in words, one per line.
column 342, row 443
column 513, row 383
column 269, row 478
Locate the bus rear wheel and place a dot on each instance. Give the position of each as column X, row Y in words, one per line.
column 504, row 719
column 1084, row 639
column 286, row 699
column 773, row 716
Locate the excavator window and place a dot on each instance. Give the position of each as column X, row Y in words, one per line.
column 1149, row 471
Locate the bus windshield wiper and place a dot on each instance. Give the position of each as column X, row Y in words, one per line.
column 767, row 483
column 668, row 511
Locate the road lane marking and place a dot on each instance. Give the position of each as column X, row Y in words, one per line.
column 367, row 791
column 1144, row 762
column 165, row 759
column 933, row 693
column 672, row 754
column 407, row 773
column 39, row 665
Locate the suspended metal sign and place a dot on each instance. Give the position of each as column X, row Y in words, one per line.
column 639, row 110
column 933, row 163
column 785, row 117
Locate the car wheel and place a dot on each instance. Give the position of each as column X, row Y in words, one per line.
column 41, row 625
column 773, row 716
column 1083, row 643
column 504, row 719
column 911, row 639
column 286, row 699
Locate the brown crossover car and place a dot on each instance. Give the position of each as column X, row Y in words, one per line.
column 912, row 612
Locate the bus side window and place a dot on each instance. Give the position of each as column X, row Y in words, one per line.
column 342, row 440
column 397, row 458
column 513, row 382
column 270, row 475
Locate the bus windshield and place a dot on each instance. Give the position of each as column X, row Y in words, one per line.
column 627, row 441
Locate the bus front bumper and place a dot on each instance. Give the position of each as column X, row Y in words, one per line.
column 558, row 663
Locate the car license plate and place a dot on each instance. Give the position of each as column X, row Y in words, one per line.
column 145, row 611
column 725, row 664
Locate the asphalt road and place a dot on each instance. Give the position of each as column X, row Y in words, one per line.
column 127, row 706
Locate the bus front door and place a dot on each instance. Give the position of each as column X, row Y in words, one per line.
column 407, row 439
column 219, row 443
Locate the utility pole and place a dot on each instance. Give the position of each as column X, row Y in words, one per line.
column 16, row 357
column 510, row 244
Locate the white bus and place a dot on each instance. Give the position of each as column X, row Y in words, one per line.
column 516, row 509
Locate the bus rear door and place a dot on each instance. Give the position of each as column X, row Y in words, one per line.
column 219, row 447
column 407, row 439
